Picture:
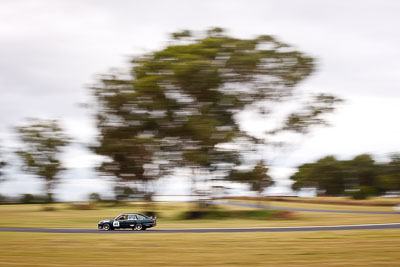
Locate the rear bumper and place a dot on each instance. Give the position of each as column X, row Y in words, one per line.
column 150, row 225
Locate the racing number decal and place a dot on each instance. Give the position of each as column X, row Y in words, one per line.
column 116, row 223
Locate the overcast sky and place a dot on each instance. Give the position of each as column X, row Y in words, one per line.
column 51, row 50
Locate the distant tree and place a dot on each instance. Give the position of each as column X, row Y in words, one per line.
column 95, row 197
column 327, row 175
column 178, row 106
column 363, row 170
column 125, row 192
column 361, row 175
column 389, row 175
column 43, row 141
column 2, row 165
column 257, row 178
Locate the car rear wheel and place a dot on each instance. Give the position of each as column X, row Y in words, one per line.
column 138, row 227
column 107, row 227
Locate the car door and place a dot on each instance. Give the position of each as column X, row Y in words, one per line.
column 118, row 222
column 124, row 222
column 131, row 221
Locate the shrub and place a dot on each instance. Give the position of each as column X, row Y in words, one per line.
column 48, row 208
column 83, row 206
column 95, row 197
column 243, row 214
column 34, row 199
column 363, row 192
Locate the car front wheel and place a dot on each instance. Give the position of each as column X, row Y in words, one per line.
column 107, row 227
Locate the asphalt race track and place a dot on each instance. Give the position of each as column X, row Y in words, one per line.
column 207, row 230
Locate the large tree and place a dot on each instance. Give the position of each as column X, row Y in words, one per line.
column 178, row 106
column 43, row 141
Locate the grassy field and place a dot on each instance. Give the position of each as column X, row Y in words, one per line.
column 327, row 205
column 347, row 248
column 65, row 217
column 372, row 201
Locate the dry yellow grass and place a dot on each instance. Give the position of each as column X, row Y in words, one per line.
column 345, row 248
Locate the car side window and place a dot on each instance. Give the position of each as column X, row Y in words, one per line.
column 140, row 217
column 131, row 217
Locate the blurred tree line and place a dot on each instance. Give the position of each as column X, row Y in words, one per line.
column 177, row 108
column 359, row 177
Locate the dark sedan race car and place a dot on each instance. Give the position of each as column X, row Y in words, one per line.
column 135, row 221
